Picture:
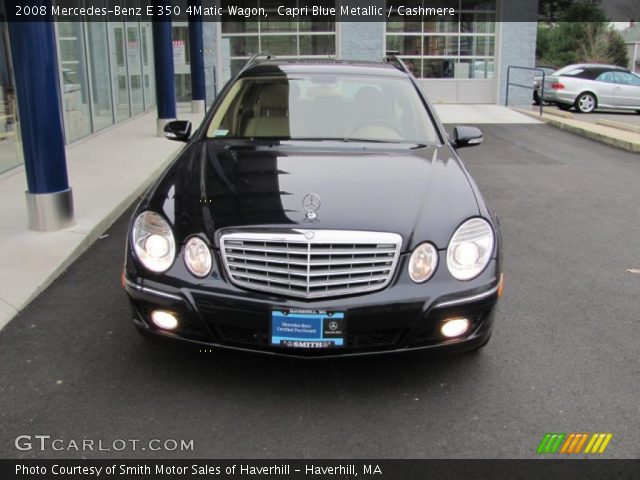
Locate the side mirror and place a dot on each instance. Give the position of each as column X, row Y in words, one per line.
column 178, row 130
column 464, row 136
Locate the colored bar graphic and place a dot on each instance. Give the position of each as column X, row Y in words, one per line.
column 581, row 442
column 573, row 443
column 550, row 442
column 598, row 443
column 567, row 443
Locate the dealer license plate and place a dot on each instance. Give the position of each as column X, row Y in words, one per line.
column 316, row 329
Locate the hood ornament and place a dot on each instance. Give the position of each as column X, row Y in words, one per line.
column 311, row 203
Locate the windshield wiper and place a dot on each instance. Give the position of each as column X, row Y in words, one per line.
column 367, row 140
column 344, row 139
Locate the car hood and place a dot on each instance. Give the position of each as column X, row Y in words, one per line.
column 422, row 193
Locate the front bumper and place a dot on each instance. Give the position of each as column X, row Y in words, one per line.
column 380, row 322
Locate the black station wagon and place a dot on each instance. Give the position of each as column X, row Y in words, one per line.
column 320, row 209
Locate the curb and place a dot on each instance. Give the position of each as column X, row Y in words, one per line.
column 625, row 140
column 619, row 125
column 89, row 238
column 559, row 113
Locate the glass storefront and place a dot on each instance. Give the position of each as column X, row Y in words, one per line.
column 106, row 74
column 181, row 61
column 462, row 49
column 98, row 47
column 10, row 147
column 73, row 75
column 313, row 37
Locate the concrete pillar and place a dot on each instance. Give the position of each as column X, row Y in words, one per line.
column 165, row 81
column 196, row 47
column 35, row 62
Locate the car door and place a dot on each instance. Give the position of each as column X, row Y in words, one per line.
column 627, row 90
column 605, row 87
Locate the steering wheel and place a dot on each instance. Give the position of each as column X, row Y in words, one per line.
column 376, row 123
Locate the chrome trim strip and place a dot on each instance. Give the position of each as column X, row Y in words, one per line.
column 131, row 284
column 472, row 298
column 152, row 291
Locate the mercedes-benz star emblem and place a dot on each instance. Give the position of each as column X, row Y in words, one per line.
column 333, row 326
column 311, row 203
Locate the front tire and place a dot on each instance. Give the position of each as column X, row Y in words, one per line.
column 586, row 103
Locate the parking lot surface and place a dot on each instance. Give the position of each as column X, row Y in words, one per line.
column 563, row 357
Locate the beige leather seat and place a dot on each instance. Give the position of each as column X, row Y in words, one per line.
column 272, row 119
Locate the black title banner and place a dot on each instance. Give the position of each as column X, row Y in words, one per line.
column 318, row 469
column 318, row 10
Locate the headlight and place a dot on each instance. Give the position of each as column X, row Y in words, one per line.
column 470, row 249
column 153, row 242
column 423, row 262
column 197, row 257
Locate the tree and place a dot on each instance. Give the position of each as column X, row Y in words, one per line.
column 550, row 10
column 617, row 50
column 583, row 35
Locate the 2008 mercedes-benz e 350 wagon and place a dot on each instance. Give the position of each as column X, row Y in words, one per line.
column 320, row 209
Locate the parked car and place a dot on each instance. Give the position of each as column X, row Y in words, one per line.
column 320, row 209
column 590, row 86
column 537, row 81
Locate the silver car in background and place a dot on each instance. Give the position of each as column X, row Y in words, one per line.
column 590, row 86
column 537, row 81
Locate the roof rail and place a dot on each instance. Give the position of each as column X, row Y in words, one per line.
column 392, row 57
column 257, row 58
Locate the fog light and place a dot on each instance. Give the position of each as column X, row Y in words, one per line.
column 164, row 320
column 455, row 327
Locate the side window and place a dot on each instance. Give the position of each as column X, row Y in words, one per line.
column 606, row 77
column 625, row 78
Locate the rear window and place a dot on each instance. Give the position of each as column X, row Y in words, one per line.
column 568, row 68
column 585, row 73
column 576, row 72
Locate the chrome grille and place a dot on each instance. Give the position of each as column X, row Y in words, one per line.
column 311, row 263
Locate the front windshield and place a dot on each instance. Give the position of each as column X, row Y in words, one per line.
column 324, row 107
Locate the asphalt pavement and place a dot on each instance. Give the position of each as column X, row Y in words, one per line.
column 563, row 357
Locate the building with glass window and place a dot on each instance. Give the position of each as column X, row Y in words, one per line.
column 461, row 60
column 107, row 75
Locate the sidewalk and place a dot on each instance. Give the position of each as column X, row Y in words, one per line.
column 614, row 133
column 459, row 114
column 106, row 173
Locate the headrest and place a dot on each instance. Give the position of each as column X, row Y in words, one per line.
column 274, row 99
column 368, row 95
